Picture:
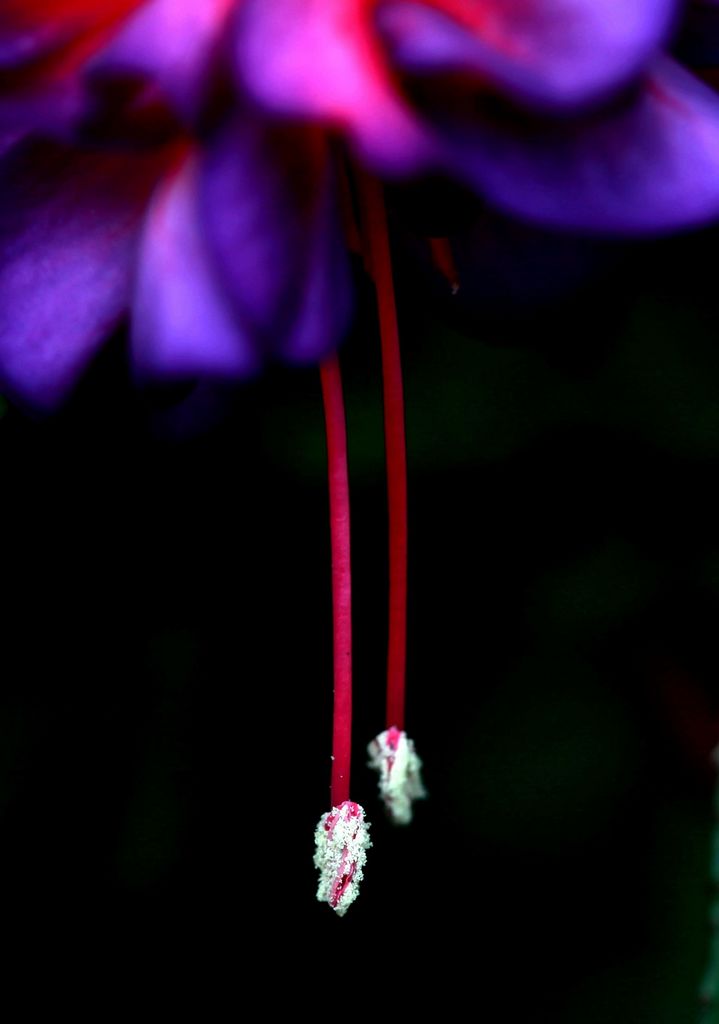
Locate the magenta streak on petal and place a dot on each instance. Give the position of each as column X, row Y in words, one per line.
column 658, row 91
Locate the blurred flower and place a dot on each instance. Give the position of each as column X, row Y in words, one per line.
column 557, row 111
column 209, row 168
column 226, row 252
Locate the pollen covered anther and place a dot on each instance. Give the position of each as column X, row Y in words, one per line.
column 393, row 756
column 341, row 844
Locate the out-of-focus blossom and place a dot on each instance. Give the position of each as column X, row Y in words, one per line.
column 557, row 110
column 223, row 256
column 553, row 55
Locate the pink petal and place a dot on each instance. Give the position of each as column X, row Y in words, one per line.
column 322, row 59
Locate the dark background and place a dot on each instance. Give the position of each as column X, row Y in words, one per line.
column 165, row 707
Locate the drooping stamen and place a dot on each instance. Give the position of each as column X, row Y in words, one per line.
column 341, row 578
column 341, row 837
column 392, row 753
column 377, row 236
column 443, row 259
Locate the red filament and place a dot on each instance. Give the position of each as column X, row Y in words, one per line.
column 341, row 578
column 375, row 225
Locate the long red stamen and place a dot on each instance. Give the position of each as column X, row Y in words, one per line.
column 443, row 259
column 394, row 432
column 341, row 578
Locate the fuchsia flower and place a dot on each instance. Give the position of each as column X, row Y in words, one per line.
column 213, row 165
column 558, row 110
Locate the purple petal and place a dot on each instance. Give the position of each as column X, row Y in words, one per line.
column 182, row 323
column 651, row 165
column 322, row 59
column 68, row 228
column 172, row 43
column 546, row 53
column 274, row 230
column 8, row 140
column 322, row 314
